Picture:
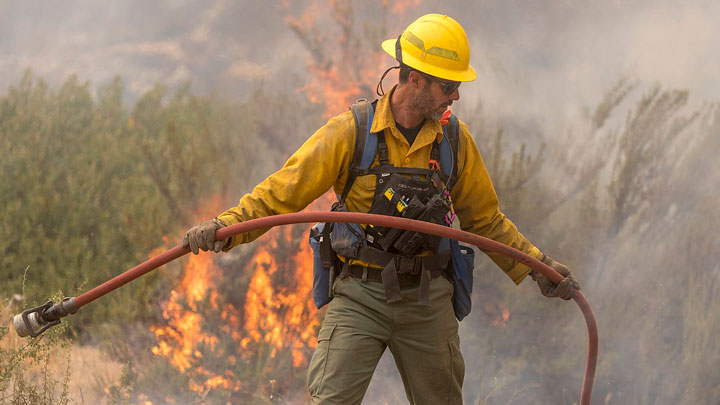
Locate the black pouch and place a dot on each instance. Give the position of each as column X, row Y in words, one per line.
column 411, row 242
column 413, row 210
column 392, row 194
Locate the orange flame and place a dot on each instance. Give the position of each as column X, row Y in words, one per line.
column 275, row 315
column 498, row 314
column 343, row 67
column 184, row 339
column 278, row 314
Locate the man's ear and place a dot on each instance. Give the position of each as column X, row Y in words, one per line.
column 415, row 78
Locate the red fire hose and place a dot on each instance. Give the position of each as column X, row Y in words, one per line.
column 36, row 320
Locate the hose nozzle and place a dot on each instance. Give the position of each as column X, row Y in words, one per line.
column 35, row 321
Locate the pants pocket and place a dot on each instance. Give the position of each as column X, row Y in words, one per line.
column 318, row 363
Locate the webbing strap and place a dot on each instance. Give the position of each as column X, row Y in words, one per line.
column 449, row 150
column 394, row 268
column 391, row 283
column 360, row 113
column 374, row 275
column 365, row 143
column 382, row 150
column 407, row 265
column 327, row 255
column 424, row 292
column 370, row 140
column 401, row 170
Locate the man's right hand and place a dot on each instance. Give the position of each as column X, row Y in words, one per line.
column 202, row 237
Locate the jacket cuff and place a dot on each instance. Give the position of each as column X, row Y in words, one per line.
column 519, row 271
column 228, row 220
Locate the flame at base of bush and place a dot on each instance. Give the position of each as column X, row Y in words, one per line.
column 246, row 328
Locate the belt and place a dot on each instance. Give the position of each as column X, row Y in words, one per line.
column 375, row 275
column 414, row 271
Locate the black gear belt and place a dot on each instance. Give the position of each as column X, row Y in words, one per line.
column 374, row 275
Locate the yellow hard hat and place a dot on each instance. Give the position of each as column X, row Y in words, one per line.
column 434, row 44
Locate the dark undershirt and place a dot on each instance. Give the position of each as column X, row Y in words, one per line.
column 409, row 133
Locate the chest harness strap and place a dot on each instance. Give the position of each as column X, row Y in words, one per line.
column 416, row 193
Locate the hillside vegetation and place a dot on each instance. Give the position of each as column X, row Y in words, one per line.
column 628, row 198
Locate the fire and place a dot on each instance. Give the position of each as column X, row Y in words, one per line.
column 184, row 340
column 209, row 339
column 498, row 314
column 276, row 315
column 184, row 328
column 344, row 65
column 215, row 335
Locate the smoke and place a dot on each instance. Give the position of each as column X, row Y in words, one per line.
column 535, row 59
column 224, row 45
column 545, row 63
column 544, row 67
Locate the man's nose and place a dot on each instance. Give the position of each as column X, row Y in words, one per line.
column 455, row 95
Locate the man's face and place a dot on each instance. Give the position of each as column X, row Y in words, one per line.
column 430, row 101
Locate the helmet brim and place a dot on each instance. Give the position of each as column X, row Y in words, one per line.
column 466, row 75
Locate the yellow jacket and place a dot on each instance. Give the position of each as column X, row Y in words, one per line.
column 323, row 162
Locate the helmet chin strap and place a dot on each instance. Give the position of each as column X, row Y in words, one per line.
column 398, row 55
column 379, row 89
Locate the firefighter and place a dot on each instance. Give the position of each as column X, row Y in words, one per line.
column 393, row 297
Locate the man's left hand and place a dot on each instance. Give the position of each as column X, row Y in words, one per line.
column 565, row 289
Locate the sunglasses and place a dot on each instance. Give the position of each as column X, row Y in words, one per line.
column 448, row 88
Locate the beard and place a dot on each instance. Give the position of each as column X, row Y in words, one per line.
column 426, row 104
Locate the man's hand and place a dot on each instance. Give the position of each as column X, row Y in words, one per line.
column 202, row 237
column 565, row 289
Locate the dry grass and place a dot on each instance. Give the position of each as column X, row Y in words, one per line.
column 50, row 369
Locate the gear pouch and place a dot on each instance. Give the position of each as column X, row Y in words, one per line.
column 321, row 274
column 463, row 263
column 393, row 192
column 346, row 239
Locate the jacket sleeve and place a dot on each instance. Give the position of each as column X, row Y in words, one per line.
column 307, row 174
column 476, row 205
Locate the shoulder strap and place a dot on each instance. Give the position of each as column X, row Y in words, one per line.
column 371, row 138
column 366, row 145
column 449, row 150
column 365, row 142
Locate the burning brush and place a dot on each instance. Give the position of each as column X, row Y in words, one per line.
column 36, row 320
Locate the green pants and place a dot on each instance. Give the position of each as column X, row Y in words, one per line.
column 360, row 324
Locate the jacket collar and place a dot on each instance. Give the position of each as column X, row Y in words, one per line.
column 431, row 130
